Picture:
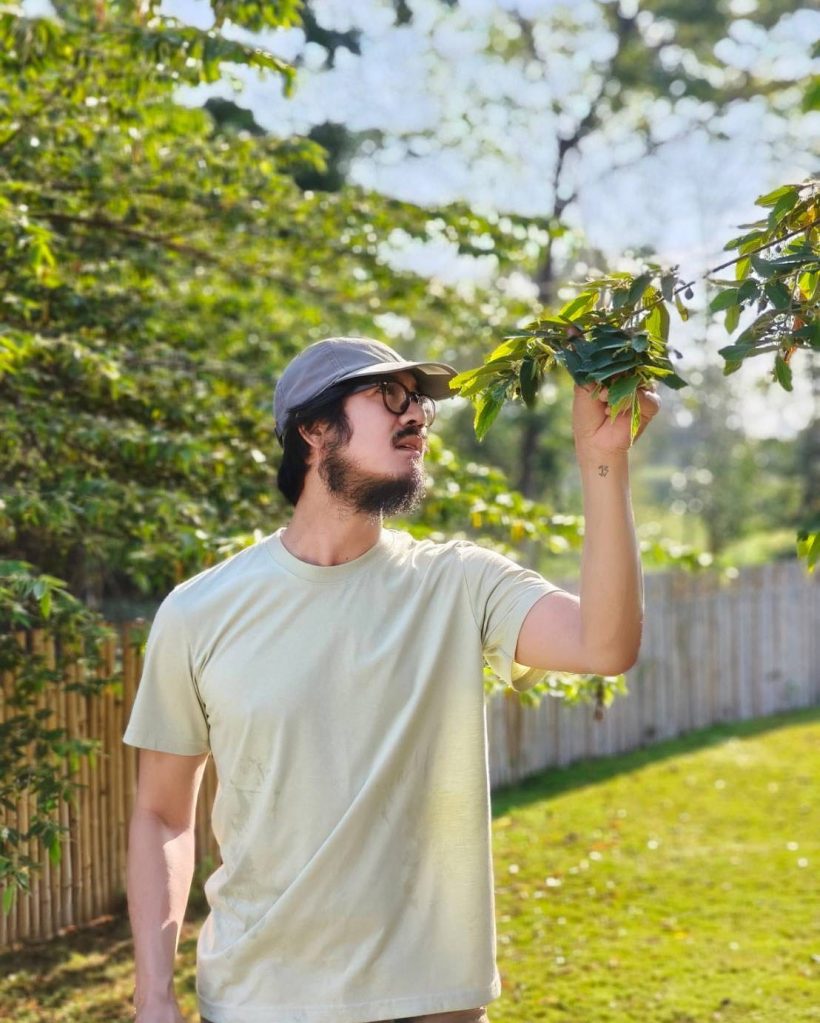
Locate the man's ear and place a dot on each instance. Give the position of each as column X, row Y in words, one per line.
column 314, row 434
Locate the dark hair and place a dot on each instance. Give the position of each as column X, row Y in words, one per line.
column 327, row 407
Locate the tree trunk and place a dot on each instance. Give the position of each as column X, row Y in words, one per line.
column 529, row 446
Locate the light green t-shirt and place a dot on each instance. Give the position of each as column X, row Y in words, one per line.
column 344, row 708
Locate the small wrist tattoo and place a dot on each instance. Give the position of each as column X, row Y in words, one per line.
column 603, row 470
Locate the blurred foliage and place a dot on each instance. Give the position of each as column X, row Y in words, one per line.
column 777, row 276
column 38, row 760
column 668, row 48
column 782, row 286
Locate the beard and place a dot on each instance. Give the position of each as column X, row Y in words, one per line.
column 367, row 494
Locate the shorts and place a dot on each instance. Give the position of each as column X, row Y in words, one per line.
column 478, row 1015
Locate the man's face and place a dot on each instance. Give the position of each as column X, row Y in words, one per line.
column 380, row 470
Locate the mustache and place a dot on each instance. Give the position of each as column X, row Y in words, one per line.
column 410, row 431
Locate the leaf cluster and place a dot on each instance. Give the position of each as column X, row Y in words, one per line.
column 777, row 279
column 613, row 334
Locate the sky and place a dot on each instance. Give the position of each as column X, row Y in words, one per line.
column 459, row 122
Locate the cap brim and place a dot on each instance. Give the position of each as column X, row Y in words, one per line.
column 433, row 377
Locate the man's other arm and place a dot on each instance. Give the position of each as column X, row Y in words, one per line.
column 160, row 870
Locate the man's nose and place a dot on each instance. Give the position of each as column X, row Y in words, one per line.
column 413, row 414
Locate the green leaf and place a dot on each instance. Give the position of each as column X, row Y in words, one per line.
column 783, row 205
column 551, row 321
column 472, row 381
column 738, row 349
column 805, row 256
column 657, row 323
column 783, row 372
column 512, row 348
column 529, row 377
column 762, row 267
column 622, row 388
column 748, row 290
column 9, row 893
column 778, row 294
column 745, row 241
column 723, row 300
column 683, row 312
column 55, row 851
column 742, row 268
column 675, row 382
column 811, row 98
column 732, row 318
column 771, row 198
column 668, row 287
column 755, row 240
column 808, row 284
column 734, row 356
column 486, row 411
column 637, row 288
column 808, row 547
column 580, row 305
column 574, row 364
column 810, row 333
column 635, row 423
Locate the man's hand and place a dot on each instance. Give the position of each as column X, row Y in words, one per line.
column 596, row 434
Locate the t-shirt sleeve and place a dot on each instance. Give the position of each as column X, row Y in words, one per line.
column 501, row 595
column 168, row 715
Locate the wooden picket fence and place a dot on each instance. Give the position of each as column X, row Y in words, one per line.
column 711, row 652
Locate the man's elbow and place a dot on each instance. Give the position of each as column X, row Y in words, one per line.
column 623, row 666
column 615, row 662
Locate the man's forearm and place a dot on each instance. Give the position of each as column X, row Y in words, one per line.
column 611, row 579
column 160, row 870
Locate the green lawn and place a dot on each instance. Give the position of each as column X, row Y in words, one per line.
column 672, row 885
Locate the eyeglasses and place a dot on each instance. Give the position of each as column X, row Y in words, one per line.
column 396, row 398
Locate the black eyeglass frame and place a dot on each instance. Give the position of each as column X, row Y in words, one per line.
column 424, row 401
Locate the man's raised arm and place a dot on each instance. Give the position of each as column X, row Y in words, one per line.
column 600, row 631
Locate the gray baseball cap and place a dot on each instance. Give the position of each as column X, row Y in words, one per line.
column 328, row 362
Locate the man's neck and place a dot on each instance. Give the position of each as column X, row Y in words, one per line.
column 329, row 536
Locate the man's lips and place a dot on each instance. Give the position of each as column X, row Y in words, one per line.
column 412, row 444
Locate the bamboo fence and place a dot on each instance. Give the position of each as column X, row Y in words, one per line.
column 711, row 652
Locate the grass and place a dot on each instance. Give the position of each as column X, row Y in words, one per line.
column 676, row 884
column 672, row 885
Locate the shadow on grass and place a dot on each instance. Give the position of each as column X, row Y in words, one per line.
column 90, row 969
column 582, row 773
column 42, row 976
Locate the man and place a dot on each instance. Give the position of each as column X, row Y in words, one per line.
column 334, row 672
